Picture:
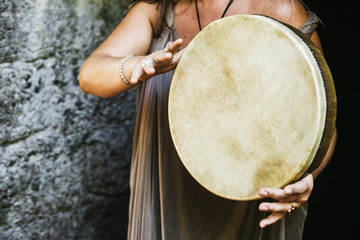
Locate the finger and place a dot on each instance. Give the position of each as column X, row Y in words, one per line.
column 296, row 189
column 136, row 75
column 274, row 193
column 168, row 53
column 277, row 207
column 149, row 69
column 272, row 218
column 300, row 187
column 161, row 57
column 278, row 194
column 174, row 46
column 176, row 57
column 147, row 65
column 134, row 78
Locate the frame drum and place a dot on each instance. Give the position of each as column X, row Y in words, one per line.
column 252, row 104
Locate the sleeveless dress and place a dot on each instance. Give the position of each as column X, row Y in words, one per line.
column 165, row 201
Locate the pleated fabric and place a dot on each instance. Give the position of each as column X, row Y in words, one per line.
column 165, row 201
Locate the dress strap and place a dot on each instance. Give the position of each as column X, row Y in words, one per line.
column 310, row 25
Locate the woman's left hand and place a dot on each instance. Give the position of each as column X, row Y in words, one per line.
column 292, row 196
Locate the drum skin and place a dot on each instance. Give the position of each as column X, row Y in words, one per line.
column 252, row 104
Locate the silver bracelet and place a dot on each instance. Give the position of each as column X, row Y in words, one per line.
column 121, row 69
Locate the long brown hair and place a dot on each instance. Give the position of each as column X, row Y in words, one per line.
column 163, row 7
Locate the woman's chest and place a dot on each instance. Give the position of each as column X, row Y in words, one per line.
column 187, row 18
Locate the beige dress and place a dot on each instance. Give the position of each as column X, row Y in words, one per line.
column 165, row 201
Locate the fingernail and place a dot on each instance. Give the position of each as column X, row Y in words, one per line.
column 263, row 193
column 262, row 224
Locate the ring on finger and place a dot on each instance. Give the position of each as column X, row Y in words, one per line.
column 291, row 210
column 167, row 47
column 147, row 61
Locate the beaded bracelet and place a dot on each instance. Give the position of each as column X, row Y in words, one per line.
column 121, row 69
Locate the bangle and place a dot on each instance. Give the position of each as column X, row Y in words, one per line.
column 121, row 69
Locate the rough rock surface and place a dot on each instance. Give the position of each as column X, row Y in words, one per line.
column 64, row 155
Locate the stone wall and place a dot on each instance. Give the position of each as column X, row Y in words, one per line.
column 64, row 155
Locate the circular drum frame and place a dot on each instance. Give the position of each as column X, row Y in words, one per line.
column 226, row 106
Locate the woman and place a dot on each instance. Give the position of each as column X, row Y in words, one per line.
column 166, row 202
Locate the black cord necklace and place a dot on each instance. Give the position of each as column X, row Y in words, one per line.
column 197, row 11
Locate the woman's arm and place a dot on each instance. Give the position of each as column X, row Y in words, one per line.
column 293, row 195
column 296, row 17
column 100, row 74
column 327, row 157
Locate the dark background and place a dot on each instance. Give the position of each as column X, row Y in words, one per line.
column 333, row 208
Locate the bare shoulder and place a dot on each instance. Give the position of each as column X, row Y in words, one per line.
column 288, row 11
column 133, row 34
column 141, row 9
column 291, row 12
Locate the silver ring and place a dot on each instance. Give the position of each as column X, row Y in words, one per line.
column 147, row 61
column 167, row 47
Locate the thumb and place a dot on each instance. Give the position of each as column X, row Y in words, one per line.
column 177, row 56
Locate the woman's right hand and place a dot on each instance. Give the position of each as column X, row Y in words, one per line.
column 158, row 62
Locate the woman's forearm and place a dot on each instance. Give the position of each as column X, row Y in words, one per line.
column 100, row 75
column 327, row 157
